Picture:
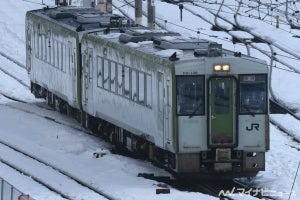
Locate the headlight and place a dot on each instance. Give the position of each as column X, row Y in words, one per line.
column 221, row 67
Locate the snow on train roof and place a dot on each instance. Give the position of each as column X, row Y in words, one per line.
column 160, row 42
column 124, row 31
column 83, row 19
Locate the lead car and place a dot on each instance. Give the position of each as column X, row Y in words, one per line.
column 189, row 104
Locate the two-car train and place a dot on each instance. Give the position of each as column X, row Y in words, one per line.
column 187, row 103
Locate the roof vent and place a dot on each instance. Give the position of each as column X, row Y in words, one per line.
column 130, row 38
column 59, row 14
column 140, row 34
column 91, row 18
column 200, row 52
column 214, row 50
column 178, row 42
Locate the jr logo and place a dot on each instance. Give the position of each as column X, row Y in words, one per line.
column 253, row 126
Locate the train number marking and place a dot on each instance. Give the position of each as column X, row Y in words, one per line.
column 253, row 126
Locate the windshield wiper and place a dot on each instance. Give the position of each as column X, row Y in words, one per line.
column 249, row 111
column 195, row 111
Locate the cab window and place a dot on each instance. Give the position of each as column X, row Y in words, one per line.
column 190, row 95
column 253, row 94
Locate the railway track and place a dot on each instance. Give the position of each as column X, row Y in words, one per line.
column 27, row 107
column 12, row 60
column 8, row 73
column 38, row 109
column 49, row 175
column 222, row 189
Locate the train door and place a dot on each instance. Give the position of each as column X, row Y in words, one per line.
column 222, row 112
column 167, row 110
column 90, row 72
column 87, row 74
column 72, row 69
column 29, row 47
column 161, row 103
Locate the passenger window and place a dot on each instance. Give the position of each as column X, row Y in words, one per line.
column 40, row 47
column 36, row 47
column 190, row 95
column 160, row 90
column 113, row 77
column 141, row 89
column 44, row 47
column 62, row 53
column 48, row 51
column 253, row 94
column 53, row 52
column 120, row 79
column 91, row 63
column 99, row 72
column 57, row 54
column 148, row 91
column 126, row 82
column 70, row 57
column 106, row 74
column 133, row 85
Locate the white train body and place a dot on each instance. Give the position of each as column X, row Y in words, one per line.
column 200, row 111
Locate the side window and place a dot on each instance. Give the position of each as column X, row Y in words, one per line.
column 53, row 46
column 106, row 74
column 69, row 56
column 57, row 54
column 48, row 50
column 91, row 66
column 44, row 47
column 126, row 82
column 40, row 46
column 190, row 95
column 36, row 48
column 61, row 63
column 148, row 91
column 99, row 72
column 120, row 79
column 113, row 77
column 141, row 89
column 133, row 85
column 160, row 91
column 64, row 57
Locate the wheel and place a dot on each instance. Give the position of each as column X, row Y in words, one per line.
column 49, row 99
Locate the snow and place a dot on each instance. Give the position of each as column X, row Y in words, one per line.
column 62, row 143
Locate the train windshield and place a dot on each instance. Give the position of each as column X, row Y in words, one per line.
column 253, row 94
column 190, row 95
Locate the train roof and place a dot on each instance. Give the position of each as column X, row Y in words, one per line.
column 165, row 44
column 82, row 19
column 125, row 32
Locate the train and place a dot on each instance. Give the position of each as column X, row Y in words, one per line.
column 190, row 105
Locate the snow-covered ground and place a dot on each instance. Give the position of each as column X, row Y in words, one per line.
column 72, row 150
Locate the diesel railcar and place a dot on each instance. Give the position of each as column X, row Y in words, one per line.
column 187, row 103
